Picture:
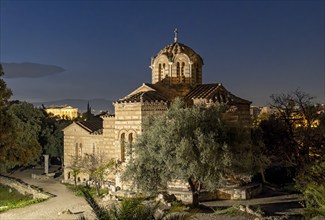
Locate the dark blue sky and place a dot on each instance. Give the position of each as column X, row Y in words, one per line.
column 254, row 48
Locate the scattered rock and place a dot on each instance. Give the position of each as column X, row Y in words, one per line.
column 67, row 211
column 166, row 199
column 242, row 208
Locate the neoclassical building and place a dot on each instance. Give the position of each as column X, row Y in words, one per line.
column 176, row 72
column 63, row 111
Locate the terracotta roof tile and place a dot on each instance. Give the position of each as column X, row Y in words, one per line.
column 94, row 126
column 216, row 93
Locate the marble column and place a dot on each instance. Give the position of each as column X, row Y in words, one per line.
column 46, row 163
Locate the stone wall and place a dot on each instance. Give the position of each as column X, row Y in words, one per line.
column 24, row 188
column 231, row 193
column 245, row 192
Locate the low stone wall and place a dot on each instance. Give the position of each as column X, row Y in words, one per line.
column 24, row 188
column 232, row 193
column 245, row 192
column 184, row 195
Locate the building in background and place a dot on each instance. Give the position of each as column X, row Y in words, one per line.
column 64, row 112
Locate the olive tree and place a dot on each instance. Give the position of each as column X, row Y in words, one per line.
column 192, row 144
column 97, row 166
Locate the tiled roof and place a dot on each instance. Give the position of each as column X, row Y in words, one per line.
column 144, row 96
column 94, row 126
column 215, row 93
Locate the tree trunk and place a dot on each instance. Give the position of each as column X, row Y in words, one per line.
column 195, row 194
column 195, row 199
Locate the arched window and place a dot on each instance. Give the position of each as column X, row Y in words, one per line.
column 182, row 72
column 163, row 70
column 178, row 69
column 182, row 69
column 194, row 73
column 94, row 148
column 197, row 74
column 130, row 149
column 159, row 72
column 122, row 142
column 76, row 150
column 80, row 149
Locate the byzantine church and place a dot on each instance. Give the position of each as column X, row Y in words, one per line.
column 176, row 72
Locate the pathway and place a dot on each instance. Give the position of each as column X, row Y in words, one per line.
column 53, row 207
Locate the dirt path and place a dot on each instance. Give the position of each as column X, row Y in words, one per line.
column 52, row 208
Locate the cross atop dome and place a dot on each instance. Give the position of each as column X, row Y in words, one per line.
column 176, row 35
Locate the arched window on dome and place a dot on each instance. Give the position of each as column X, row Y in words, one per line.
column 163, row 70
column 159, row 72
column 197, row 74
column 178, row 70
column 194, row 72
column 182, row 72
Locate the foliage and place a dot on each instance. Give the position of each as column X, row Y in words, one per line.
column 294, row 138
column 97, row 167
column 11, row 198
column 75, row 167
column 100, row 212
column 194, row 145
column 311, row 182
column 78, row 189
column 6, row 134
column 51, row 135
column 276, row 141
column 22, row 122
column 26, row 132
column 262, row 160
column 5, row 93
column 226, row 211
column 294, row 131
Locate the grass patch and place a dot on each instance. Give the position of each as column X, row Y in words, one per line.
column 309, row 213
column 226, row 211
column 177, row 206
column 11, row 198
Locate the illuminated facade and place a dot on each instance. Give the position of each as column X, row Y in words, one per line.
column 67, row 112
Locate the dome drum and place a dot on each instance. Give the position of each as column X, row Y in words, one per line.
column 177, row 64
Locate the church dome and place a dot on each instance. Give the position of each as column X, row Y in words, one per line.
column 177, row 64
column 176, row 48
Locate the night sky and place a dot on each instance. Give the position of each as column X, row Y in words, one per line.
column 101, row 49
